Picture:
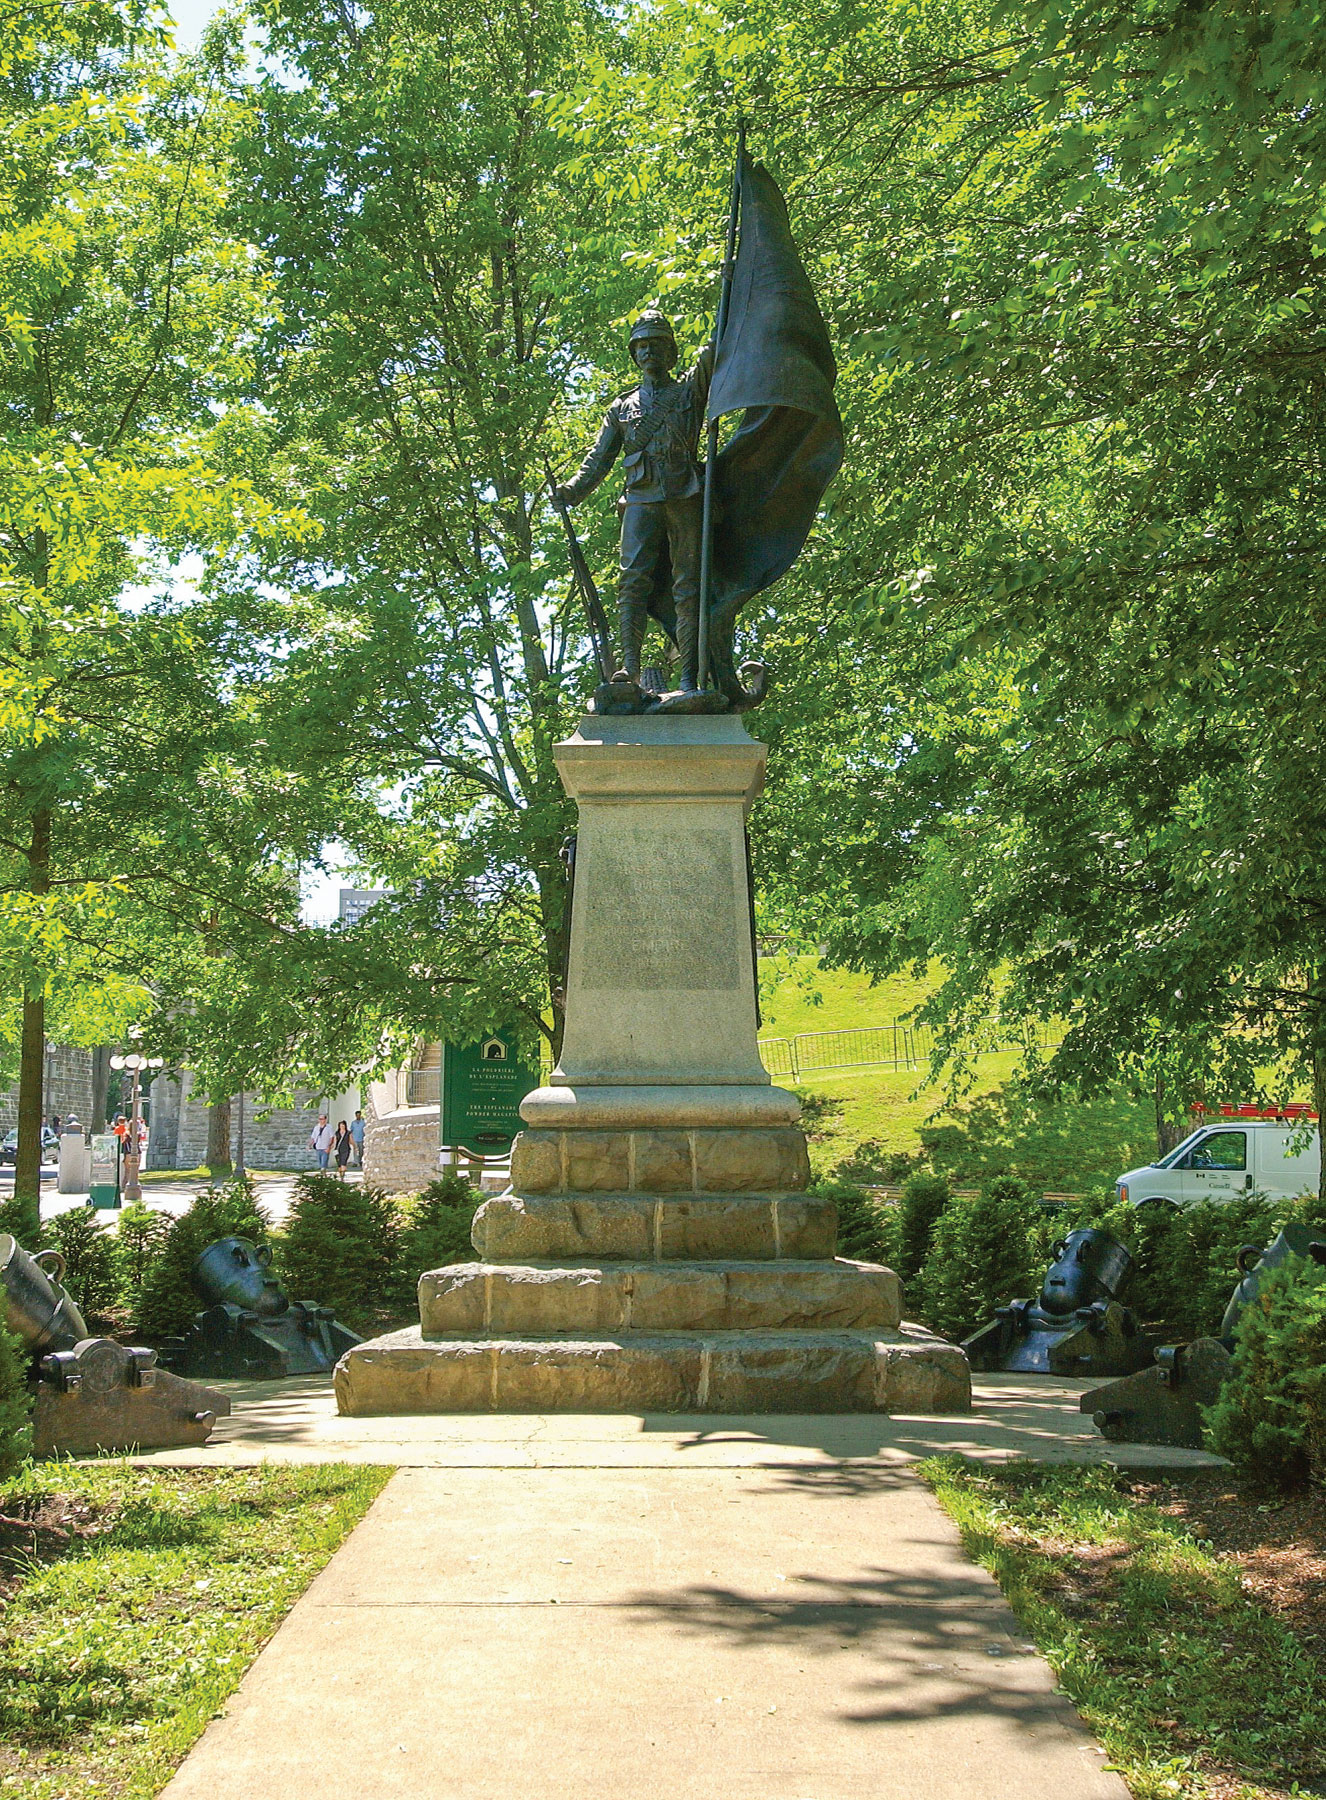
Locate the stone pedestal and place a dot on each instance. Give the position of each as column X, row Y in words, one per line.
column 658, row 1250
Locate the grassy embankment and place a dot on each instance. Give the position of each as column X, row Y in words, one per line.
column 1068, row 1145
column 1199, row 1687
column 135, row 1599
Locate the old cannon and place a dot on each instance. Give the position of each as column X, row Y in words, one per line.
column 1254, row 1265
column 91, row 1393
column 1163, row 1404
column 1077, row 1325
column 249, row 1328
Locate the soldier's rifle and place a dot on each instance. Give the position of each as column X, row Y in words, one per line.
column 597, row 619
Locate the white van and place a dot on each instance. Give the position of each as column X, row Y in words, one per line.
column 1227, row 1157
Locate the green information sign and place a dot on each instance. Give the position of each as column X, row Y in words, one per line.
column 104, row 1184
column 482, row 1088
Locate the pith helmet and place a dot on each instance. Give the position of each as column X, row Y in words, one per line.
column 652, row 324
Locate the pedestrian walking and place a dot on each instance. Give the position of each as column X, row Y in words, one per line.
column 320, row 1140
column 342, row 1145
column 357, row 1134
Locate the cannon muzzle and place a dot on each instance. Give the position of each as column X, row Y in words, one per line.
column 37, row 1308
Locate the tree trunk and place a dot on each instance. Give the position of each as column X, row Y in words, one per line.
column 218, row 1138
column 32, row 1065
column 1319, row 1107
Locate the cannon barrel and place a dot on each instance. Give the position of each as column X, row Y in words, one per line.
column 234, row 1271
column 37, row 1308
column 1088, row 1265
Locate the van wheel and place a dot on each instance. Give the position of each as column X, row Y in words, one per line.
column 1156, row 1203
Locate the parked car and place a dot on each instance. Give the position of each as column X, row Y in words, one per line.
column 1238, row 1153
column 50, row 1146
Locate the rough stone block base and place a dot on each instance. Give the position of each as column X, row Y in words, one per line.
column 644, row 1228
column 487, row 1299
column 728, row 1372
column 738, row 1160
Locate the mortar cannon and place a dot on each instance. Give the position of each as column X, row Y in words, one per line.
column 1077, row 1325
column 249, row 1327
column 89, row 1393
column 1255, row 1264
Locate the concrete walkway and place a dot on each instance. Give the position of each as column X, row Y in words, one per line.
column 793, row 1632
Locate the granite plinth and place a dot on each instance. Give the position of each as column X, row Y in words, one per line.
column 745, row 1160
column 654, row 1227
column 491, row 1299
column 722, row 1372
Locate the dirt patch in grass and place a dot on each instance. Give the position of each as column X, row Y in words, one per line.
column 1277, row 1541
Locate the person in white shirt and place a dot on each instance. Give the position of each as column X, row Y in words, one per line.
column 321, row 1139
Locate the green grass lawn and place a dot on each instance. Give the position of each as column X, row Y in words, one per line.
column 137, row 1599
column 796, row 994
column 887, row 1106
column 1193, row 1686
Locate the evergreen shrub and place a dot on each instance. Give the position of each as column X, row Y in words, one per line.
column 15, row 1404
column 924, row 1197
column 167, row 1300
column 1270, row 1419
column 985, row 1250
column 141, row 1235
column 865, row 1226
column 435, row 1230
column 92, row 1271
column 340, row 1247
column 21, row 1218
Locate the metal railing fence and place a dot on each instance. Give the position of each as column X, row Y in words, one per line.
column 896, row 1046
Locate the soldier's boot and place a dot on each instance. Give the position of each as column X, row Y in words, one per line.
column 631, row 615
column 688, row 646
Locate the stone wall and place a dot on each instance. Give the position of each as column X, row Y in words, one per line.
column 401, row 1150
column 67, row 1088
column 178, row 1137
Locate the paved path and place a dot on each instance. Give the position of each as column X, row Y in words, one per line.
column 1013, row 1415
column 689, row 1632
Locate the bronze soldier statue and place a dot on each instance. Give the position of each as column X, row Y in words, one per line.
column 656, row 427
column 700, row 540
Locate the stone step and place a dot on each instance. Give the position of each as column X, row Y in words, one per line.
column 495, row 1299
column 686, row 1372
column 565, row 1228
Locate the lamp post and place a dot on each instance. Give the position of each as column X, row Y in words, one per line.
column 135, row 1063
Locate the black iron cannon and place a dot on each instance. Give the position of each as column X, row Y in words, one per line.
column 250, row 1328
column 1163, row 1404
column 1077, row 1325
column 90, row 1393
column 1254, row 1265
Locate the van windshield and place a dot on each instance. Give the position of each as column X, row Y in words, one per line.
column 1168, row 1162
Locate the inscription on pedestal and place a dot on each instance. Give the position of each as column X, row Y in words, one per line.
column 642, row 909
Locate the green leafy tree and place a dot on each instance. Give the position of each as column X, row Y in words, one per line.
column 451, row 281
column 1053, row 647
column 129, row 318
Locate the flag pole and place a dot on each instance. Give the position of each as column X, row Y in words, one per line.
column 711, row 449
